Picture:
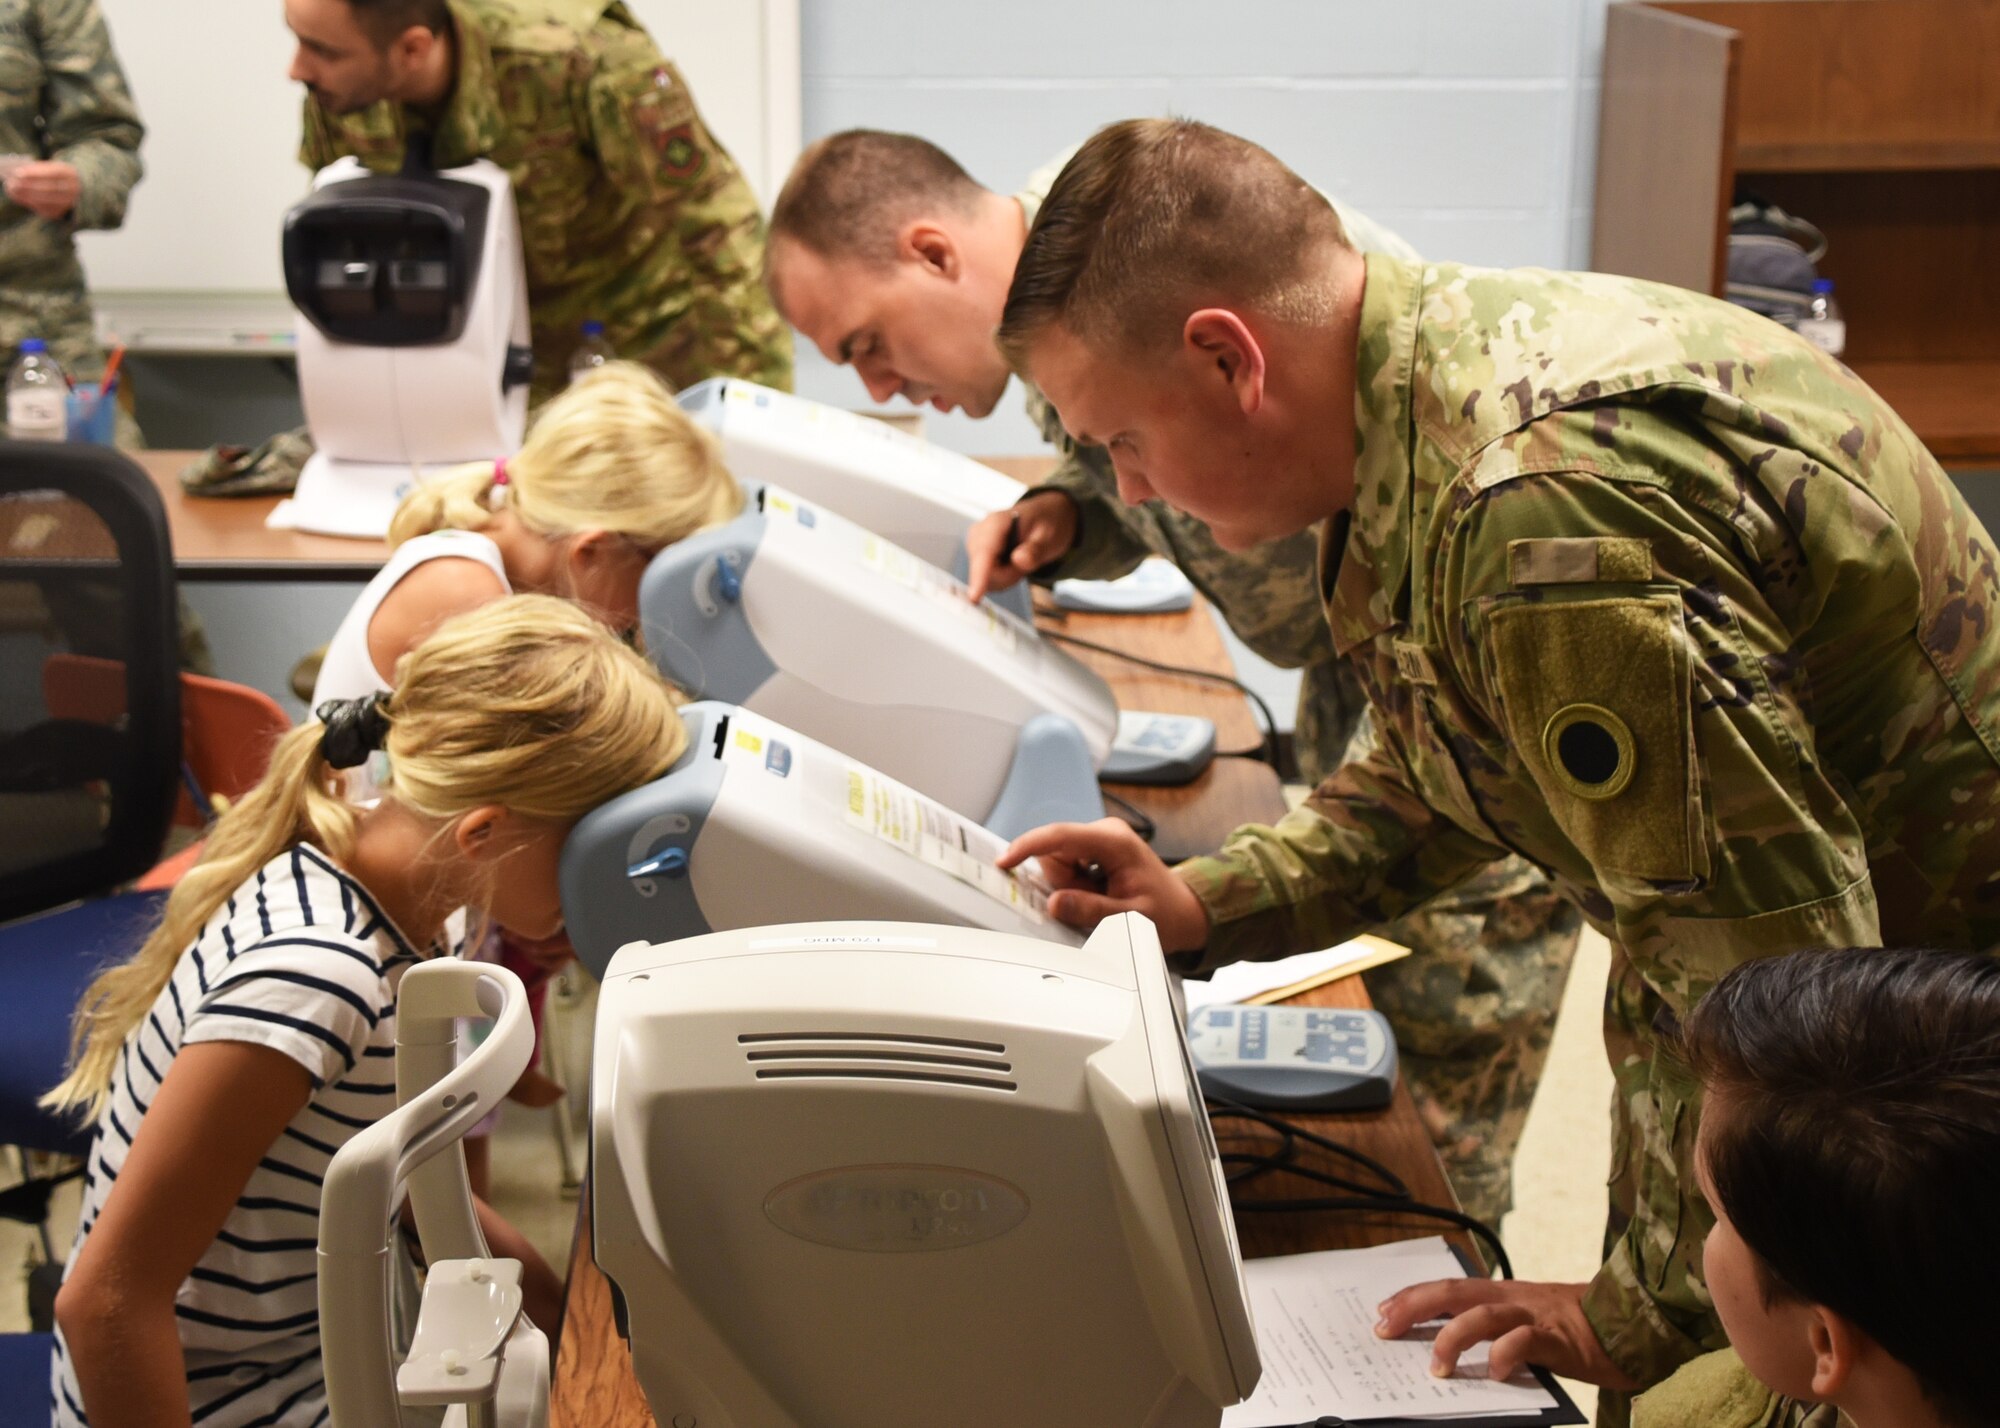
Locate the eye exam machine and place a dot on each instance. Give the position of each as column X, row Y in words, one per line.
column 805, row 618
column 910, row 492
column 857, row 1175
column 413, row 347
column 757, row 823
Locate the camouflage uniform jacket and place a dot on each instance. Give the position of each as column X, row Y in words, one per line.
column 1647, row 590
column 631, row 213
column 62, row 96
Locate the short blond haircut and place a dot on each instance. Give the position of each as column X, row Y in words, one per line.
column 527, row 703
column 1153, row 218
column 613, row 452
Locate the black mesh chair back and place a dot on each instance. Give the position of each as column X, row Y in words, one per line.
column 86, row 792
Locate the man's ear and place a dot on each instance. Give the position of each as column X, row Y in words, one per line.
column 477, row 835
column 413, row 46
column 1837, row 1345
column 931, row 245
column 1220, row 341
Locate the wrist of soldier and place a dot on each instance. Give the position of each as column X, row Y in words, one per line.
column 1630, row 1326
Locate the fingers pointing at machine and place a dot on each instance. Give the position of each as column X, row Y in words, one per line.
column 1101, row 869
column 1006, row 547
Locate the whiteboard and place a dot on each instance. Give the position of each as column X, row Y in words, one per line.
column 222, row 127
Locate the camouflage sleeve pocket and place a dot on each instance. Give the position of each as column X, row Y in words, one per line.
column 1596, row 694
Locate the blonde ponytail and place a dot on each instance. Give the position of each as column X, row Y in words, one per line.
column 459, row 500
column 296, row 801
column 527, row 703
column 612, row 452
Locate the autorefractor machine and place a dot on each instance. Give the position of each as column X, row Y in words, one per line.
column 845, row 1175
column 413, row 350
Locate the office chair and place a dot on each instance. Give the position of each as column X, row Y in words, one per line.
column 227, row 733
column 85, row 569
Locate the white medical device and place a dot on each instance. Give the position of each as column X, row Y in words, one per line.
column 908, row 491
column 886, row 1175
column 473, row 1352
column 413, row 349
column 803, row 617
column 758, row 824
column 1295, row 1058
column 913, row 494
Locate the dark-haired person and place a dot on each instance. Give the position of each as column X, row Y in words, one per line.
column 895, row 261
column 1640, row 586
column 1849, row 1149
column 631, row 213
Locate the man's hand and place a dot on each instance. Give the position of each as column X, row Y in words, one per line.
column 47, row 188
column 1528, row 1324
column 1102, row 869
column 1041, row 527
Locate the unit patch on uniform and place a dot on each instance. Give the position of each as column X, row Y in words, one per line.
column 1589, row 750
column 682, row 158
column 1596, row 694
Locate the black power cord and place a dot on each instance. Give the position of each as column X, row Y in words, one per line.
column 1270, row 752
column 1142, row 822
column 1388, row 1195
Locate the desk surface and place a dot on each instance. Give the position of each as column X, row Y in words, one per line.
column 225, row 538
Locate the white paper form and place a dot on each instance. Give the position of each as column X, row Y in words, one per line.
column 1315, row 1317
column 1240, row 981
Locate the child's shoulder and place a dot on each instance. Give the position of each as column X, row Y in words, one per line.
column 304, row 901
column 1717, row 1391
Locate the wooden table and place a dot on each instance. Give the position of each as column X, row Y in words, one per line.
column 224, row 537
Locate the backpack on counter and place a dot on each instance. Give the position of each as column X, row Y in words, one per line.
column 1772, row 260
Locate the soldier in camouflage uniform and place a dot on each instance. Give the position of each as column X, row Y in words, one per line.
column 65, row 107
column 631, row 213
column 1474, row 1009
column 1639, row 586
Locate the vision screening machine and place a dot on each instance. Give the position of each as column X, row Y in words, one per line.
column 913, row 494
column 845, row 1175
column 867, row 703
column 412, row 335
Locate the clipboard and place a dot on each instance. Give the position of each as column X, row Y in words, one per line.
column 1565, row 1412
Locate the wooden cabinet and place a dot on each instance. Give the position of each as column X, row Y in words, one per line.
column 1877, row 120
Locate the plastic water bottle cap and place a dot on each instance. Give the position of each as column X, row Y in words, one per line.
column 1822, row 285
column 33, row 344
column 593, row 328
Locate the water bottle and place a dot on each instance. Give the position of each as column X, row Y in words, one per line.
column 37, row 395
column 590, row 353
column 1823, row 326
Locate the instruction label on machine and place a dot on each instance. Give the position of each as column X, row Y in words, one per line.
column 933, row 834
column 934, row 585
column 753, row 744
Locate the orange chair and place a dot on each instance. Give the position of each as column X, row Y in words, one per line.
column 227, row 733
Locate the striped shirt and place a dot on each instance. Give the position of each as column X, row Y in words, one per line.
column 301, row 959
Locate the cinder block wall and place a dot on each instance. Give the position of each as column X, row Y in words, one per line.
column 1466, row 125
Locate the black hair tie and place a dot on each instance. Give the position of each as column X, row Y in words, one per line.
column 355, row 728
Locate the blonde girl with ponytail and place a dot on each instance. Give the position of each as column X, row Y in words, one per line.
column 612, row 472
column 253, row 1033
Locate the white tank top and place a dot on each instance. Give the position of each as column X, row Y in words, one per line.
column 348, row 671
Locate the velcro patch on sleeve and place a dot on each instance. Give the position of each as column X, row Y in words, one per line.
column 1597, row 698
column 1579, row 560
